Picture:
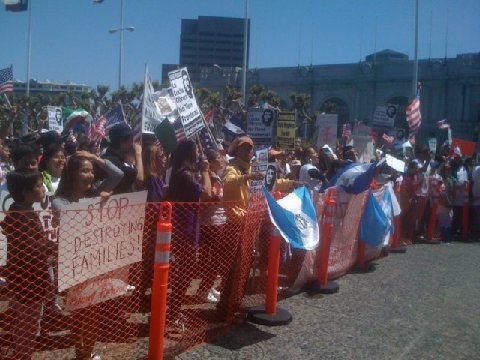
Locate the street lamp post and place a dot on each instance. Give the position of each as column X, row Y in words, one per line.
column 121, row 29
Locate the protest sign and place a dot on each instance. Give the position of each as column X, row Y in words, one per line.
column 5, row 200
column 55, row 118
column 466, row 147
column 363, row 142
column 260, row 123
column 327, row 130
column 95, row 239
column 395, row 164
column 151, row 116
column 98, row 290
column 384, row 115
column 286, row 128
column 260, row 165
column 187, row 107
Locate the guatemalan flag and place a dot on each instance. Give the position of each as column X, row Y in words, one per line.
column 295, row 218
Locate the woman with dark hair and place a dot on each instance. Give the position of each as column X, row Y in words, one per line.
column 51, row 166
column 186, row 191
column 78, row 182
column 78, row 179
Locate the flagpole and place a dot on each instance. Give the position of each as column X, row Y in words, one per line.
column 245, row 50
column 29, row 45
column 415, row 60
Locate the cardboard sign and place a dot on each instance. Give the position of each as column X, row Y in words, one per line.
column 95, row 238
column 286, row 130
column 187, row 107
column 260, row 125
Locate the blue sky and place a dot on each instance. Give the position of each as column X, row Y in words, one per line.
column 70, row 39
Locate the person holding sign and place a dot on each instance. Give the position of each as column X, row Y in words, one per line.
column 78, row 182
column 236, row 187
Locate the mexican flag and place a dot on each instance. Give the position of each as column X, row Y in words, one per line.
column 75, row 116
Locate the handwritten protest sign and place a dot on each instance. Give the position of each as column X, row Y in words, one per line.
column 327, row 130
column 187, row 107
column 95, row 239
column 98, row 290
column 286, row 128
column 260, row 125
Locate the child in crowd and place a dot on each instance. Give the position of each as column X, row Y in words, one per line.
column 27, row 266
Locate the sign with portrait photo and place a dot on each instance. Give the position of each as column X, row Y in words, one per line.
column 260, row 165
column 260, row 123
column 55, row 118
column 384, row 116
column 187, row 107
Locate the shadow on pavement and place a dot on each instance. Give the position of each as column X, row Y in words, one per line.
column 243, row 336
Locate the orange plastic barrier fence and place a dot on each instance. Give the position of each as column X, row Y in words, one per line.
column 89, row 290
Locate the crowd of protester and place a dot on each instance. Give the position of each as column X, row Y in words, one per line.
column 70, row 171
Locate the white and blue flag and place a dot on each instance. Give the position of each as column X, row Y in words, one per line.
column 355, row 178
column 295, row 218
column 233, row 127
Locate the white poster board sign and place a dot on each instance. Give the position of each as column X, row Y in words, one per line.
column 96, row 239
column 55, row 118
column 260, row 165
column 384, row 115
column 5, row 201
column 260, row 123
column 187, row 107
column 327, row 130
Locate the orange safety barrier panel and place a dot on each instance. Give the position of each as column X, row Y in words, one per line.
column 90, row 291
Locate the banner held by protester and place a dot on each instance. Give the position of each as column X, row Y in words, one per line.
column 286, row 129
column 110, row 237
column 260, row 123
column 187, row 107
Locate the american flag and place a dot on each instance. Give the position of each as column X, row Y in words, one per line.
column 387, row 138
column 179, row 132
column 97, row 129
column 414, row 117
column 442, row 124
column 114, row 116
column 6, row 80
column 137, row 127
column 347, row 130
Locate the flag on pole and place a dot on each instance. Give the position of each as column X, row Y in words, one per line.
column 442, row 124
column 387, row 138
column 347, row 130
column 114, row 116
column 414, row 117
column 6, row 80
